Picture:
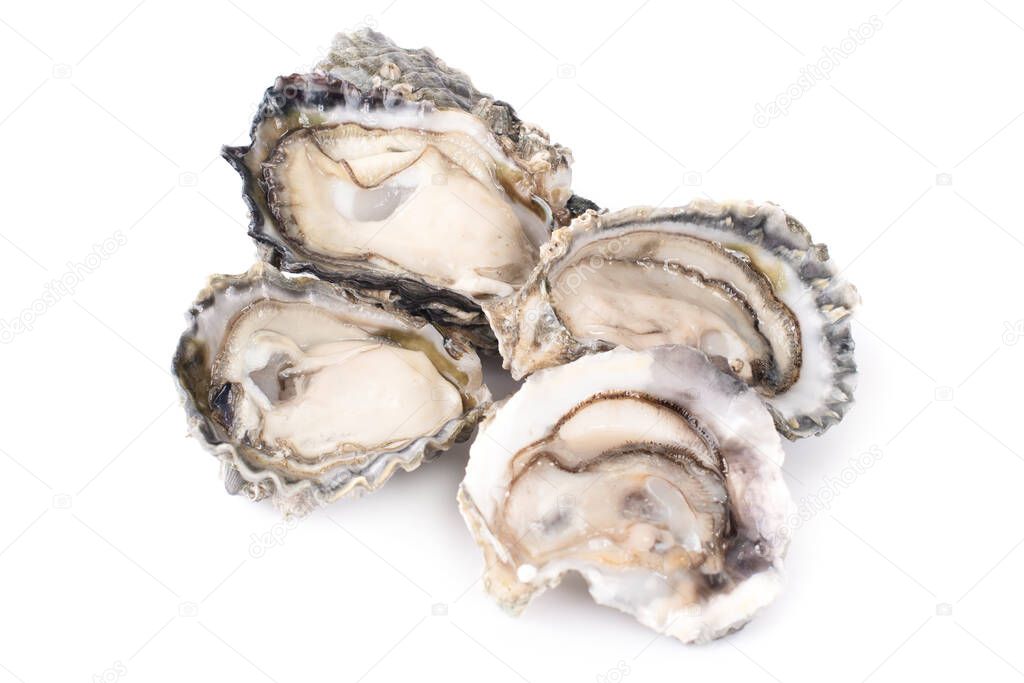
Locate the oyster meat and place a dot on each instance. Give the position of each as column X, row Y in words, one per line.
column 742, row 282
column 307, row 393
column 650, row 473
column 389, row 172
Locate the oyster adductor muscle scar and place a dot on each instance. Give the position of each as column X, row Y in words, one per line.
column 743, row 282
column 652, row 474
column 387, row 171
column 307, row 393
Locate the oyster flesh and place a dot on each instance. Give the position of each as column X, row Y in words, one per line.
column 650, row 473
column 306, row 393
column 742, row 282
column 390, row 173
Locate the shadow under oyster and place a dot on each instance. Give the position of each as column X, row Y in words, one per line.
column 307, row 393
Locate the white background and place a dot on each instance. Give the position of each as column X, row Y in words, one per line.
column 122, row 557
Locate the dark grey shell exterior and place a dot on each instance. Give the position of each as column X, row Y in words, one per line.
column 370, row 60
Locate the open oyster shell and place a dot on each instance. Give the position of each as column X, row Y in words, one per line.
column 390, row 173
column 306, row 393
column 651, row 473
column 741, row 281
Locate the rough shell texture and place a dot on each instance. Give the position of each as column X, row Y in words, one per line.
column 259, row 475
column 743, row 569
column 304, row 101
column 371, row 61
column 531, row 335
column 291, row 101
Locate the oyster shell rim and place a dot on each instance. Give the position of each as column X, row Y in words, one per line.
column 287, row 95
column 752, row 594
column 321, row 91
column 835, row 299
column 299, row 496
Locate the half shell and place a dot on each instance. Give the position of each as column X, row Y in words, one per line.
column 390, row 173
column 306, row 393
column 741, row 281
column 652, row 474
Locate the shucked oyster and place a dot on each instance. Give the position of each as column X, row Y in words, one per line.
column 394, row 175
column 650, row 473
column 307, row 394
column 742, row 282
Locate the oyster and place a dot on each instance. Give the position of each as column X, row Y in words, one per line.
column 390, row 173
column 742, row 282
column 306, row 393
column 650, row 473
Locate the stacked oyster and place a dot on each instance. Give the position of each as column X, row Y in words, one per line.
column 406, row 222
